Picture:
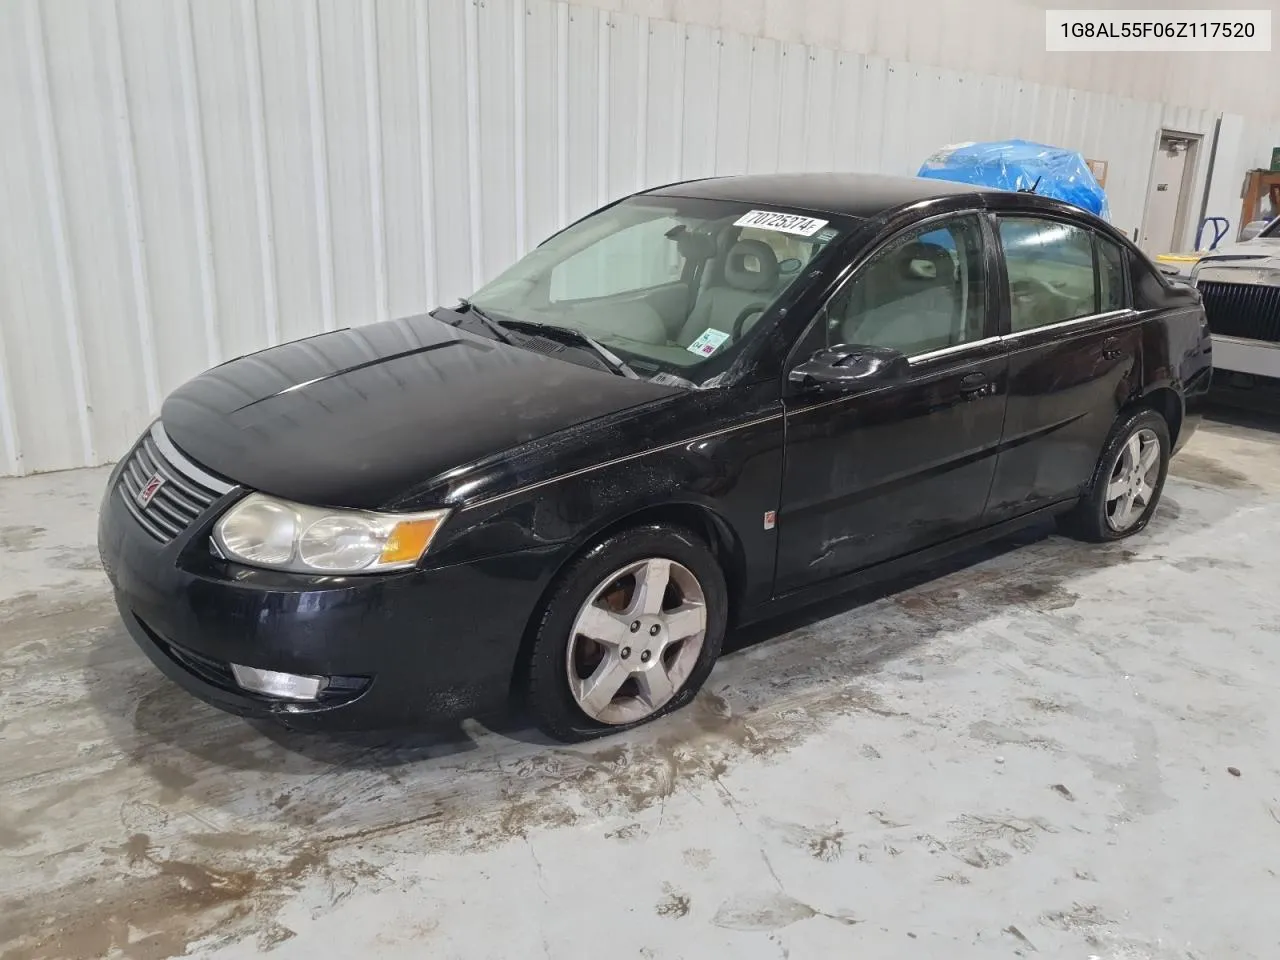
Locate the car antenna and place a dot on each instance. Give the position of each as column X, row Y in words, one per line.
column 1032, row 188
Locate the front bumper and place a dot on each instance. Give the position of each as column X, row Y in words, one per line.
column 401, row 649
column 1259, row 358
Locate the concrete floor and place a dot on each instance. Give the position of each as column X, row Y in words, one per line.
column 1048, row 749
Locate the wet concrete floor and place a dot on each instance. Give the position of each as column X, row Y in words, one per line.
column 1041, row 749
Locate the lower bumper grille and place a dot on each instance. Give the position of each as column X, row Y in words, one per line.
column 1250, row 311
column 217, row 672
column 337, row 690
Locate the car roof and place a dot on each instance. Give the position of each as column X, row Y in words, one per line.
column 861, row 195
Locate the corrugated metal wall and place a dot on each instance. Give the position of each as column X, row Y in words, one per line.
column 1002, row 37
column 184, row 181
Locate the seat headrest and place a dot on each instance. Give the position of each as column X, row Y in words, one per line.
column 752, row 266
column 926, row 261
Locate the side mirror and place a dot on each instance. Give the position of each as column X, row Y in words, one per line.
column 1252, row 229
column 850, row 369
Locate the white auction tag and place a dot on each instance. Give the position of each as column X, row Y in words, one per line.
column 781, row 222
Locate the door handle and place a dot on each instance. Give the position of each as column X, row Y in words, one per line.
column 976, row 385
column 1111, row 349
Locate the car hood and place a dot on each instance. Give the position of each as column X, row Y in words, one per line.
column 359, row 417
column 1260, row 251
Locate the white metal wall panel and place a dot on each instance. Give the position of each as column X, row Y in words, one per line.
column 663, row 112
column 493, row 166
column 91, row 161
column 700, row 94
column 540, row 178
column 733, row 104
column 399, row 150
column 222, row 106
column 185, row 181
column 766, row 106
column 288, row 175
column 581, row 144
column 791, row 129
column 41, row 418
column 619, row 103
column 171, row 301
column 820, row 111
column 989, row 37
column 355, row 208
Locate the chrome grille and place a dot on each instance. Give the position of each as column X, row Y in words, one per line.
column 185, row 493
column 1247, row 310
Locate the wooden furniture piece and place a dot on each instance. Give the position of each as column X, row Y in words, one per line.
column 1259, row 185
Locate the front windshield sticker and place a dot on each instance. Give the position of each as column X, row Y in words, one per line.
column 781, row 222
column 708, row 342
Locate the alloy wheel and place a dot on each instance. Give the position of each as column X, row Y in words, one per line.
column 636, row 640
column 1133, row 480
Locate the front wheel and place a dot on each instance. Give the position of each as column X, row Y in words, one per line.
column 1127, row 483
column 630, row 633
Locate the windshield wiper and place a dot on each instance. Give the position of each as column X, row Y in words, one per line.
column 487, row 322
column 576, row 337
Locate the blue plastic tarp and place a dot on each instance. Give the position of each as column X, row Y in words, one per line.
column 1018, row 165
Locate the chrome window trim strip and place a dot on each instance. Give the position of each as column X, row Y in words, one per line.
column 1085, row 321
column 617, row 460
column 185, row 466
column 953, row 350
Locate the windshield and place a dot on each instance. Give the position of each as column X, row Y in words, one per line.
column 675, row 287
column 1272, row 231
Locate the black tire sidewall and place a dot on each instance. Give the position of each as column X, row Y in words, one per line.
column 547, row 695
column 1096, row 520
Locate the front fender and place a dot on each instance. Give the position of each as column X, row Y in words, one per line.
column 729, row 479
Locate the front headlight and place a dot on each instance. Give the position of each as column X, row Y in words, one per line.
column 265, row 532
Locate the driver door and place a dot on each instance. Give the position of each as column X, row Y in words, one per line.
column 883, row 473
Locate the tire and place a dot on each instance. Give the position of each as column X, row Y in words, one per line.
column 567, row 669
column 1095, row 519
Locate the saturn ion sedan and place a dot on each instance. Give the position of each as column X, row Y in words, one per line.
column 686, row 411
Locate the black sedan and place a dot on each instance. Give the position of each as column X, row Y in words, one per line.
column 682, row 413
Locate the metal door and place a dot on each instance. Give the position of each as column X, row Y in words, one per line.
column 1163, row 219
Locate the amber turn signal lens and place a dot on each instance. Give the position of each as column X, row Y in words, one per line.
column 408, row 541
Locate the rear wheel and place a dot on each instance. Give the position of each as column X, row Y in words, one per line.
column 1127, row 482
column 630, row 633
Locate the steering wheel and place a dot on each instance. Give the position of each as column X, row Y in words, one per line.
column 741, row 319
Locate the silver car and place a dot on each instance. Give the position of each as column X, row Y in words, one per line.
column 1240, row 284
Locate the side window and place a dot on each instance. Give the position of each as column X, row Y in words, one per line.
column 1051, row 275
column 922, row 291
column 630, row 260
column 1115, row 295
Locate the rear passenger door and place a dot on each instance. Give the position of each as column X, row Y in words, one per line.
column 1073, row 345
